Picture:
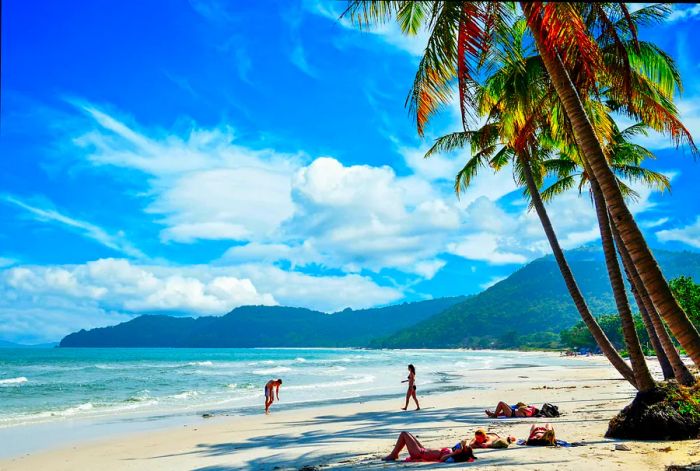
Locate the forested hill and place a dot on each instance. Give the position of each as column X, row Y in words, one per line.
column 530, row 306
column 263, row 326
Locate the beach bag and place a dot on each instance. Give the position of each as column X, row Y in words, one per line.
column 549, row 410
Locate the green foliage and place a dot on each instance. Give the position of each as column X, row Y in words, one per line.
column 578, row 336
column 685, row 400
column 687, row 292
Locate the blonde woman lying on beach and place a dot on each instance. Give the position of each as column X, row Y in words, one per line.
column 541, row 435
column 460, row 453
column 484, row 439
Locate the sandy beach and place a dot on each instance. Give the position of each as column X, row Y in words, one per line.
column 356, row 436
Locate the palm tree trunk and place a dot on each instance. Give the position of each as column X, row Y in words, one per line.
column 631, row 236
column 664, row 363
column 680, row 371
column 645, row 382
column 601, row 339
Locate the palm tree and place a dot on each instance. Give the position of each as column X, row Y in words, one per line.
column 460, row 38
column 625, row 158
column 650, row 316
column 545, row 26
column 512, row 98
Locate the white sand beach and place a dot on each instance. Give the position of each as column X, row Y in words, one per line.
column 356, row 436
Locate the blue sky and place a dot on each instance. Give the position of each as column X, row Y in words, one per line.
column 192, row 157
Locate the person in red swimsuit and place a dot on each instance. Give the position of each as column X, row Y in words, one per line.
column 519, row 410
column 417, row 452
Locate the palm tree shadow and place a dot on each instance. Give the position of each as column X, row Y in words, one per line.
column 426, row 424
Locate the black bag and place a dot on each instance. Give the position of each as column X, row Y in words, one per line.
column 549, row 410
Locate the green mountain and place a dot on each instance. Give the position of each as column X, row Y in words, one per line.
column 530, row 306
column 263, row 326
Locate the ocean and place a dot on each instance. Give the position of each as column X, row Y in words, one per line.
column 54, row 385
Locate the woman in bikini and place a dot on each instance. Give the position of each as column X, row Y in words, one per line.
column 519, row 410
column 484, row 439
column 411, row 392
column 417, row 452
column 541, row 435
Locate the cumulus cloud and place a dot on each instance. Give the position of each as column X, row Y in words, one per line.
column 360, row 217
column 119, row 285
column 44, row 303
column 689, row 234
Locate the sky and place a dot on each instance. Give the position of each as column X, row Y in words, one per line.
column 193, row 156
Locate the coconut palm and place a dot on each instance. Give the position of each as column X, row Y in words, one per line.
column 625, row 158
column 506, row 95
column 512, row 98
column 460, row 38
column 547, row 21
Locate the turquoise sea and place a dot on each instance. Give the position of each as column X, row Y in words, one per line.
column 53, row 385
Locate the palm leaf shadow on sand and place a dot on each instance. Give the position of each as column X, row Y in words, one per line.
column 458, row 422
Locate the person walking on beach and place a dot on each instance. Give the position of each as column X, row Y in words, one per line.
column 269, row 396
column 411, row 392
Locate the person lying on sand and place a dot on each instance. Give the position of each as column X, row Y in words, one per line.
column 541, row 435
column 483, row 439
column 269, row 397
column 519, row 410
column 460, row 453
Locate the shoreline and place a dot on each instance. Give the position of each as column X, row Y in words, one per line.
column 356, row 435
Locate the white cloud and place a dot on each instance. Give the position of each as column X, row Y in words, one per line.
column 492, row 282
column 366, row 217
column 485, row 247
column 117, row 242
column 298, row 58
column 119, row 285
column 44, row 303
column 204, row 186
column 684, row 12
column 389, row 32
column 654, row 223
column 689, row 234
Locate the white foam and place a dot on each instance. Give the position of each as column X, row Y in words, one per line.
column 185, row 395
column 13, row 381
column 271, row 371
column 74, row 410
column 200, row 363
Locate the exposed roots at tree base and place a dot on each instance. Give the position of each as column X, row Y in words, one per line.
column 670, row 412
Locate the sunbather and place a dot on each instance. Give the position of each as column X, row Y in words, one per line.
column 484, row 439
column 519, row 410
column 459, row 453
column 541, row 435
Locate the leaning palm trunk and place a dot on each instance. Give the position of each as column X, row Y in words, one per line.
column 664, row 363
column 631, row 236
column 643, row 378
column 601, row 339
column 680, row 371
